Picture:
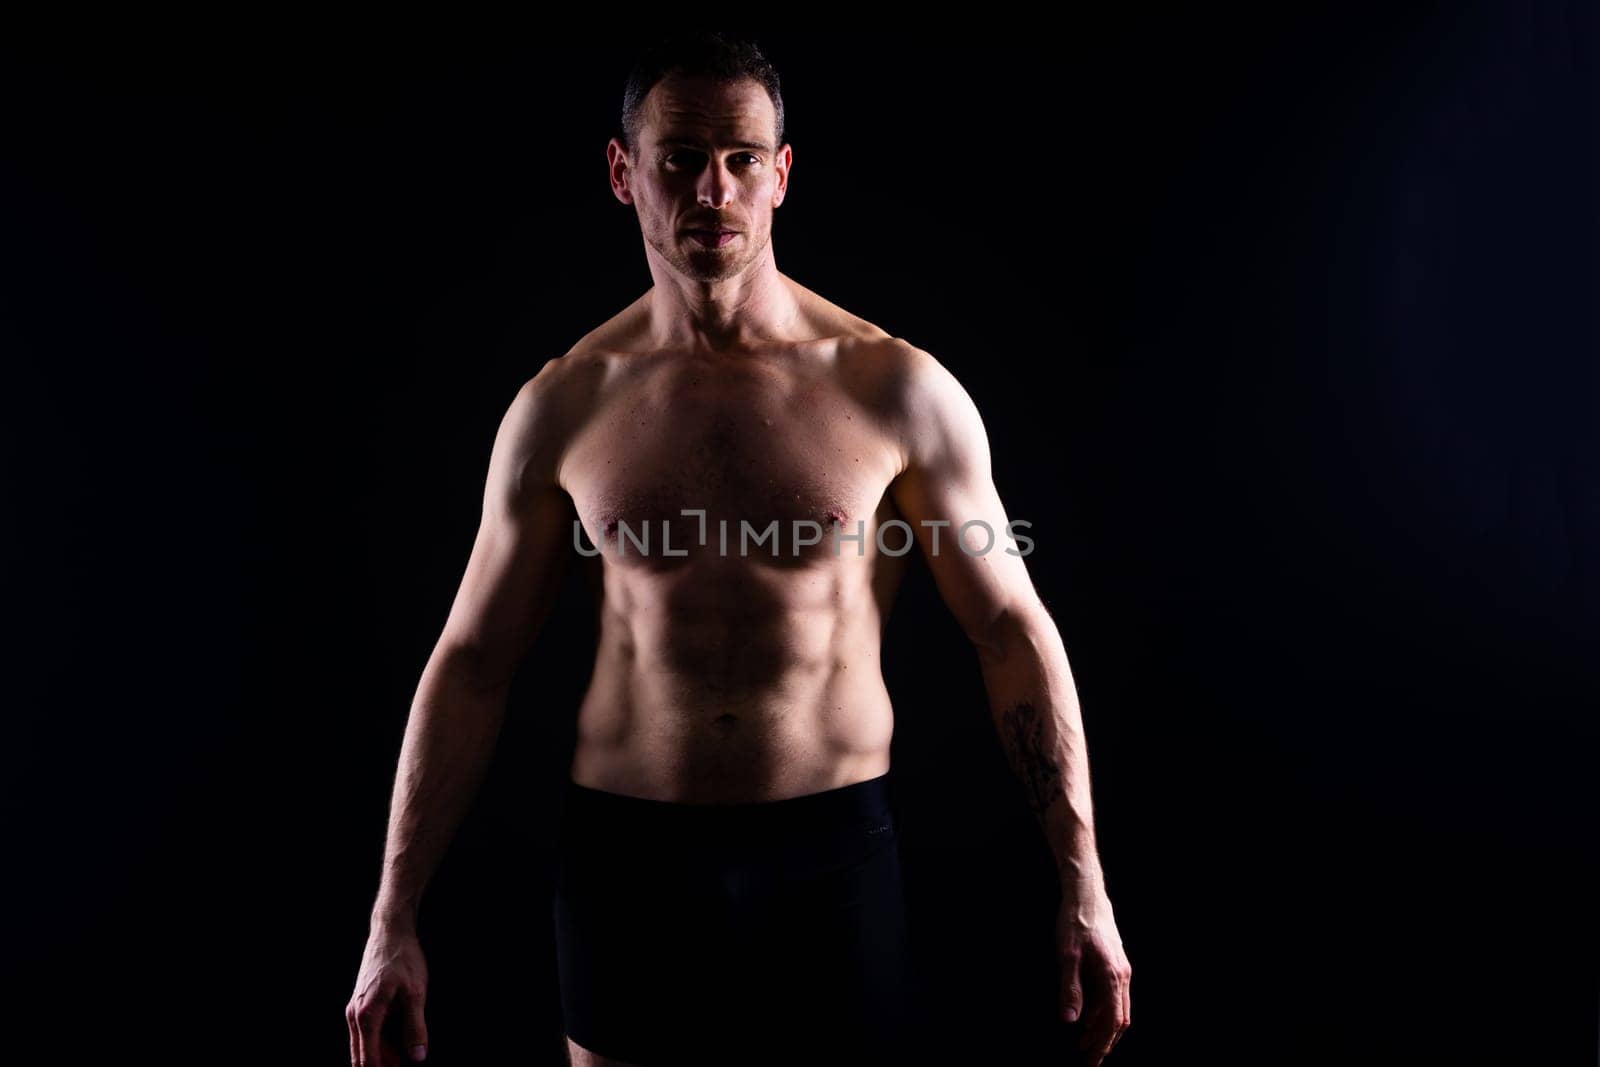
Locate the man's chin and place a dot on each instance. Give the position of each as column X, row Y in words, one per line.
column 711, row 266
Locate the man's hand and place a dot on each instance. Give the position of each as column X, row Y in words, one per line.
column 385, row 1012
column 1093, row 963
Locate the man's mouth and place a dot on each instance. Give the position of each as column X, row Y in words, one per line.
column 713, row 238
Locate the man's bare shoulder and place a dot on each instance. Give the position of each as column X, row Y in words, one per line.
column 900, row 377
column 555, row 402
column 917, row 397
column 551, row 407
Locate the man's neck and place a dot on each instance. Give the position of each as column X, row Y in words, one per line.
column 744, row 311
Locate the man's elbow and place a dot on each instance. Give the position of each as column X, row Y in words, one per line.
column 1018, row 625
column 479, row 666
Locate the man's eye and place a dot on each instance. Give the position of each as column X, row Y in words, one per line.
column 695, row 159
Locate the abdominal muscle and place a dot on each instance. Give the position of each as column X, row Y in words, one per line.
column 727, row 683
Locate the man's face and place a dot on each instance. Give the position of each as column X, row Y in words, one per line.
column 707, row 176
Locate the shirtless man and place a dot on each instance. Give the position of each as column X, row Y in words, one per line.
column 729, row 881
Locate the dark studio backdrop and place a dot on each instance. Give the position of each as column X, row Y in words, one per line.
column 1283, row 329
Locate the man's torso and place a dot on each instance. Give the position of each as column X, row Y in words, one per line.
column 742, row 668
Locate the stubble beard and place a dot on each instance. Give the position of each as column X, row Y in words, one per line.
column 707, row 265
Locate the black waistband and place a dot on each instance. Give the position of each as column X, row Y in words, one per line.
column 858, row 801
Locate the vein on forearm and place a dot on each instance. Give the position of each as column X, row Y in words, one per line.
column 1025, row 733
column 1035, row 708
column 449, row 740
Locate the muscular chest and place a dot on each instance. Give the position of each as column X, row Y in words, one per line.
column 762, row 450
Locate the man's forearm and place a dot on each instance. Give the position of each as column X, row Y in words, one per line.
column 450, row 736
column 1034, row 703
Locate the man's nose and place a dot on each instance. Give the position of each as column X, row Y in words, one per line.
column 715, row 187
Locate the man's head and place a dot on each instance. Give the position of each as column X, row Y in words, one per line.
column 701, row 149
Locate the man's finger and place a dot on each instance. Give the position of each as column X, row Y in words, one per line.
column 355, row 1037
column 1117, row 1016
column 1115, row 1037
column 416, row 1030
column 1099, row 1034
column 1108, row 1036
column 1093, row 1033
column 372, row 1017
column 1071, row 987
column 1099, row 1019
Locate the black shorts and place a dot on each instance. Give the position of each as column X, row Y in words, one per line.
column 749, row 933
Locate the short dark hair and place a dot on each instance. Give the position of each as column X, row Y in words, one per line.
column 715, row 55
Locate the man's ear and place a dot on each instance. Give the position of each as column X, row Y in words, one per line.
column 784, row 161
column 619, row 170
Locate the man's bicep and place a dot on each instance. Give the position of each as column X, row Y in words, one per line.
column 947, row 494
column 519, row 555
column 964, row 533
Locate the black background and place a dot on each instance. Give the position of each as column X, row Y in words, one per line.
column 1283, row 330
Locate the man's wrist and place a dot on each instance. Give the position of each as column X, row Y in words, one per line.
column 1081, row 874
column 1070, row 830
column 1083, row 893
column 1078, row 861
column 391, row 913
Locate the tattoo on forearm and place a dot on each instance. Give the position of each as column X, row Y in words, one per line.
column 1025, row 732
